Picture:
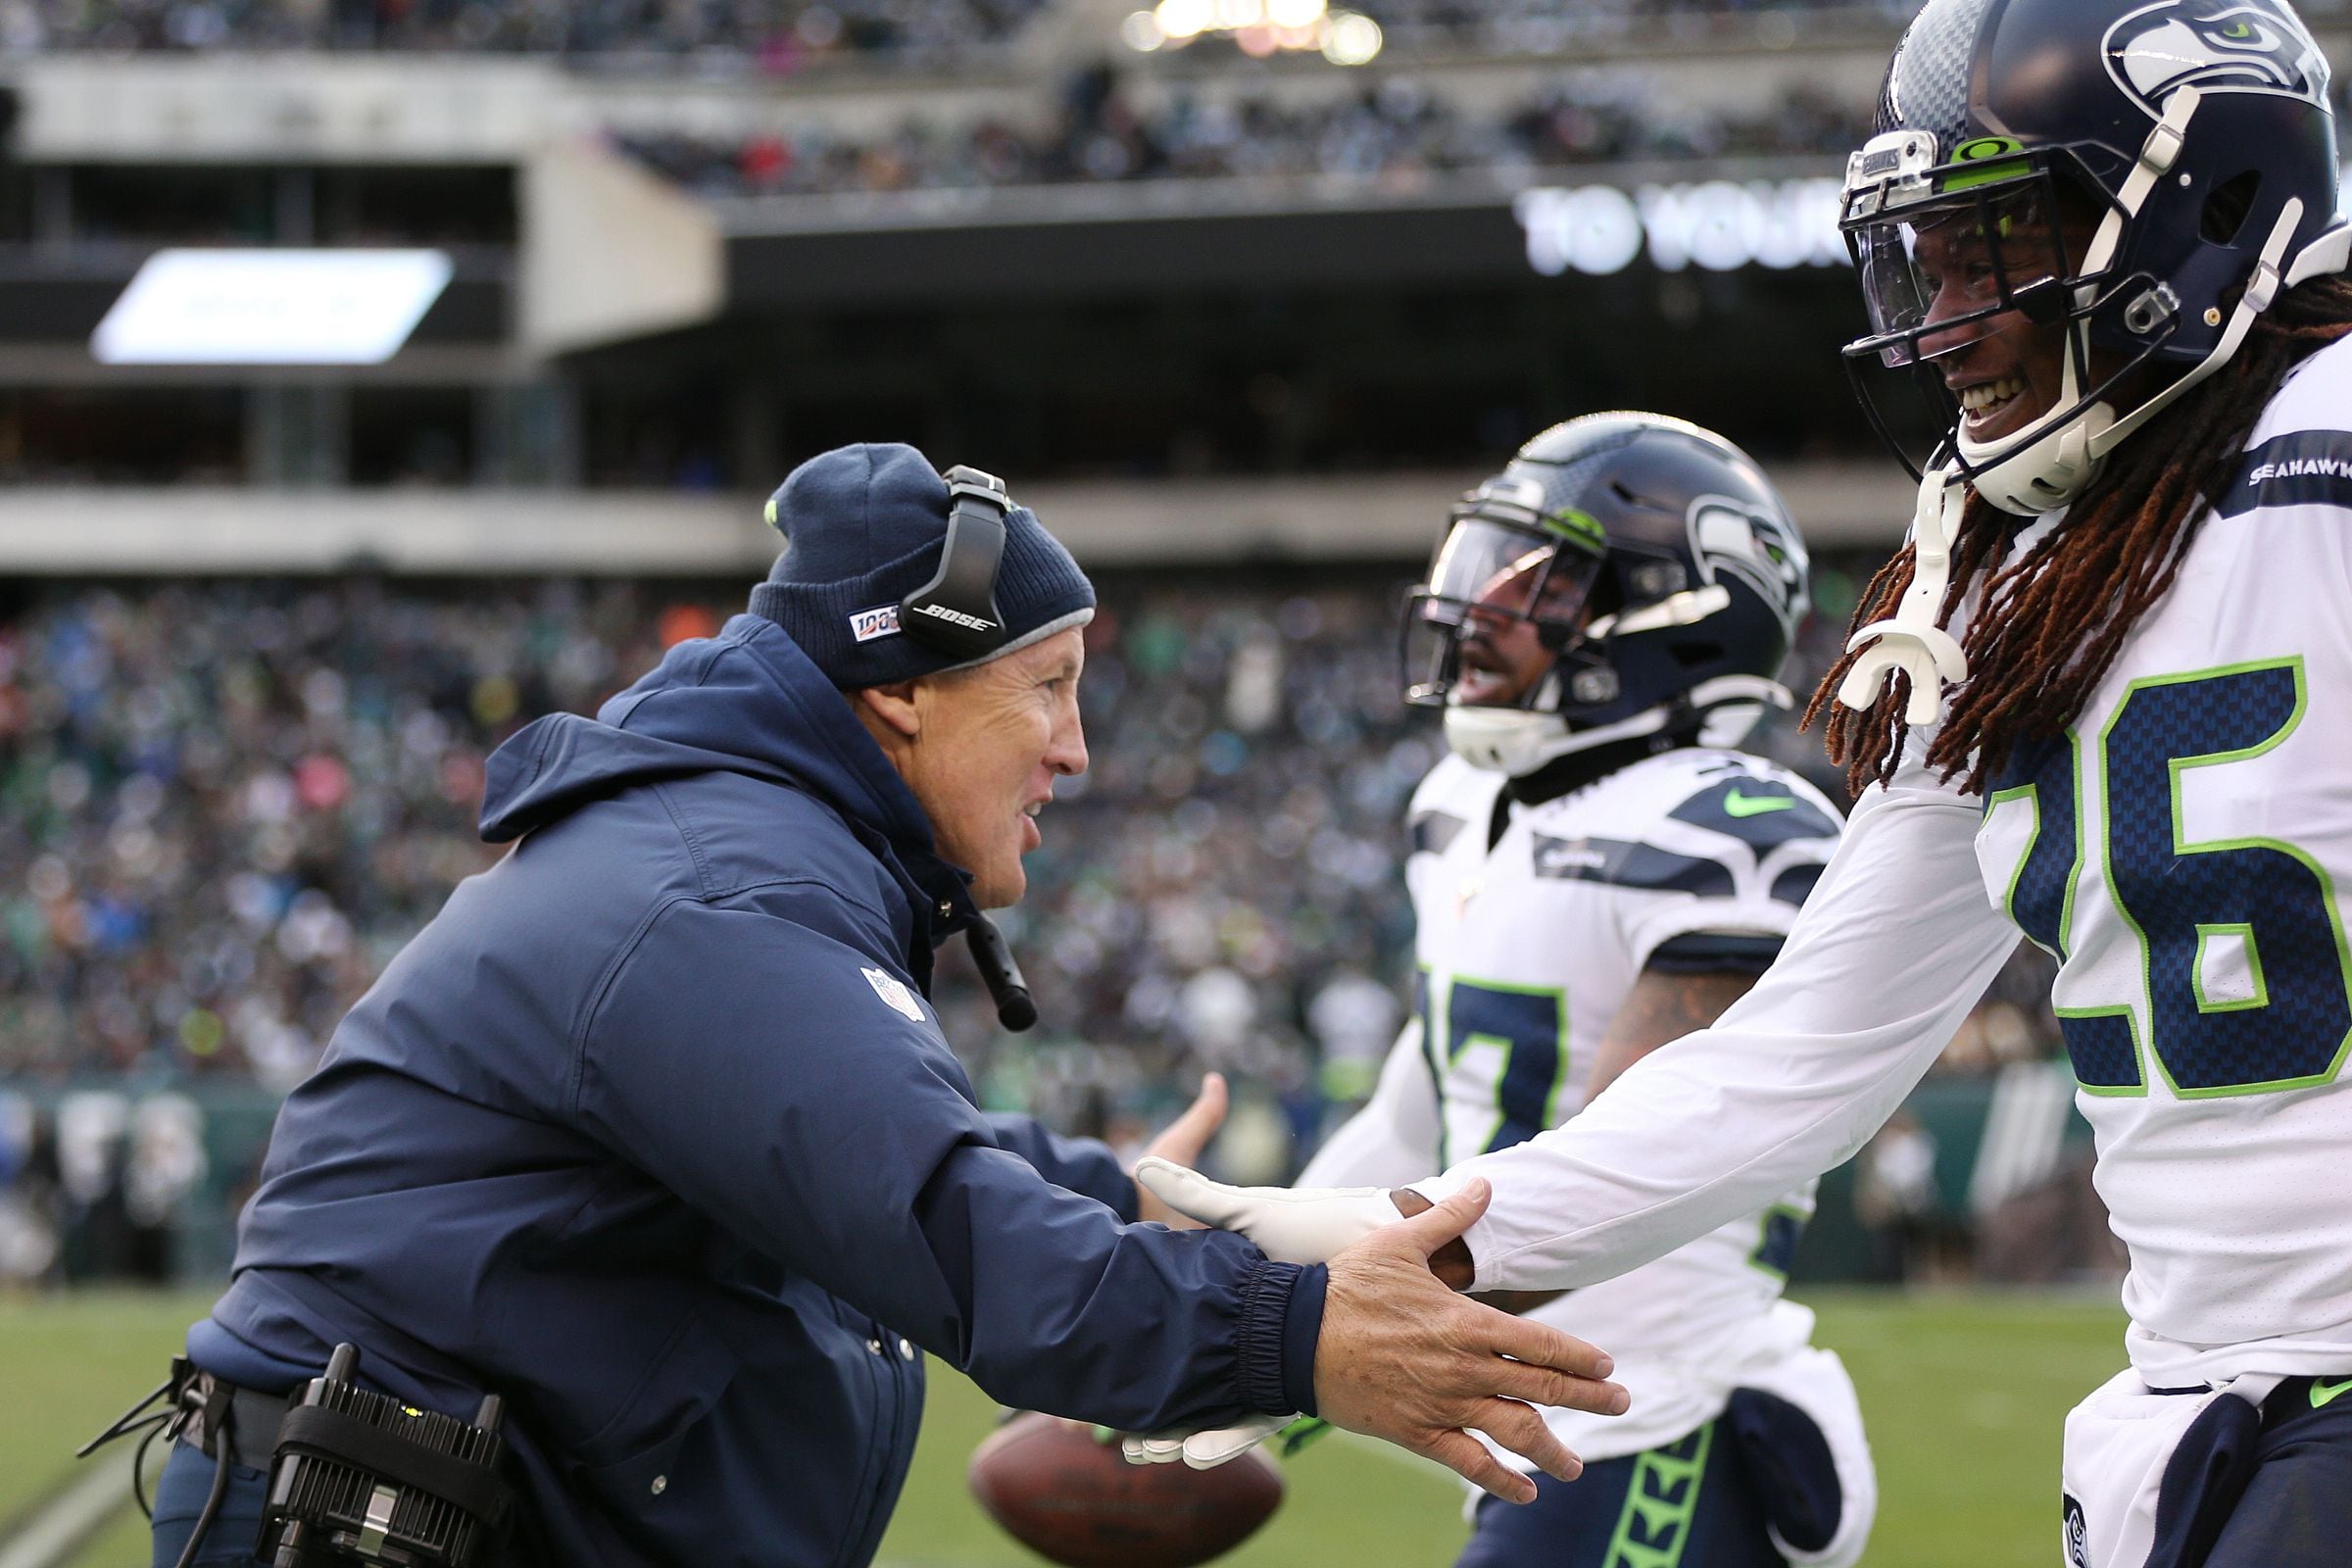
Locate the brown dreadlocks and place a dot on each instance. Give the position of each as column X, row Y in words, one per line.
column 2049, row 624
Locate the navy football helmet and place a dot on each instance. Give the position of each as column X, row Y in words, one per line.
column 2148, row 174
column 1626, row 574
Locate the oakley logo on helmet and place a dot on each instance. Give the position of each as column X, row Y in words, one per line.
column 1758, row 549
column 2214, row 46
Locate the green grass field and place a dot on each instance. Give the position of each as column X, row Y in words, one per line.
column 1964, row 1393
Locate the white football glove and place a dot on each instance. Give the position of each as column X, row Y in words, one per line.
column 1289, row 1226
column 1202, row 1451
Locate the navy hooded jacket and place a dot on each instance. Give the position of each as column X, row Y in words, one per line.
column 650, row 1132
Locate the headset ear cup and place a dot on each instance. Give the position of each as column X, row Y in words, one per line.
column 956, row 611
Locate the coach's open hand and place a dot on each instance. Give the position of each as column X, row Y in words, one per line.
column 1405, row 1359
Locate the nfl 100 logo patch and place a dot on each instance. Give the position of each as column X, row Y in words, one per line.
column 881, row 621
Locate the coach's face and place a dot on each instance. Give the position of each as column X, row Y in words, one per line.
column 981, row 749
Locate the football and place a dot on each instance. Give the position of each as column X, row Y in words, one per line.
column 1070, row 1497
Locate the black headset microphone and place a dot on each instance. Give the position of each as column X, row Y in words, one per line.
column 1003, row 976
column 956, row 612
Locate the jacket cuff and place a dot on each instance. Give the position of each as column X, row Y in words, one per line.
column 1274, row 1340
column 1302, row 1331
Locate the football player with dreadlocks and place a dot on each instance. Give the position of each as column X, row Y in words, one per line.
column 1594, row 872
column 2099, row 698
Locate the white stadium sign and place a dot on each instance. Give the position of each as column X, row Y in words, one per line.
column 270, row 307
column 1719, row 225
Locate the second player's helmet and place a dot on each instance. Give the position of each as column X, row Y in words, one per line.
column 1647, row 574
column 2148, row 174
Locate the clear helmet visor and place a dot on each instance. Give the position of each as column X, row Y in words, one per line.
column 1931, row 270
column 1503, row 600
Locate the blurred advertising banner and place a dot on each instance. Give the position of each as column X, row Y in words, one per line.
column 270, row 307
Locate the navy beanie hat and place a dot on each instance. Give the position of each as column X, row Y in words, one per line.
column 863, row 528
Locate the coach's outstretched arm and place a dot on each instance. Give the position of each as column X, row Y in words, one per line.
column 830, row 1131
column 1891, row 951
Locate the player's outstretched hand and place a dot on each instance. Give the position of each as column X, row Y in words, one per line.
column 1289, row 1225
column 1180, row 1142
column 1309, row 1226
column 1405, row 1359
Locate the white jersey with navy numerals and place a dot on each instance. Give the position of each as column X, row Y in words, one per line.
column 2185, row 851
column 1525, row 953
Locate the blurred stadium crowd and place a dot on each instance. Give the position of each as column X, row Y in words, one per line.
column 772, row 35
column 777, row 36
column 235, row 802
column 1396, row 128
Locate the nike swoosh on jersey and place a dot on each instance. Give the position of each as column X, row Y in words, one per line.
column 1738, row 805
column 2324, row 1391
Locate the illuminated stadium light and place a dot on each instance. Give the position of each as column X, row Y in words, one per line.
column 1142, row 31
column 1352, row 41
column 270, row 307
column 1183, row 21
column 1257, row 28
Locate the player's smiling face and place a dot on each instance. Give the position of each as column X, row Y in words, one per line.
column 2005, row 370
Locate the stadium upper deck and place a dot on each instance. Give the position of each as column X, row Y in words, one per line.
column 1211, row 302
column 779, row 36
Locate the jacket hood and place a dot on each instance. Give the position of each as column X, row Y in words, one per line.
column 747, row 700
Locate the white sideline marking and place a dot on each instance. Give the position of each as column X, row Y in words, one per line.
column 73, row 1515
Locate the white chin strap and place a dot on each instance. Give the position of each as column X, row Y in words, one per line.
column 1517, row 741
column 2050, row 468
column 2048, row 463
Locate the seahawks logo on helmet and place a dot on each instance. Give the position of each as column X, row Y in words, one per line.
column 2214, row 46
column 1762, row 551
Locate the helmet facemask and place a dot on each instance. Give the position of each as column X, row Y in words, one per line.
column 1508, row 594
column 2159, row 260
column 2004, row 241
column 1492, row 633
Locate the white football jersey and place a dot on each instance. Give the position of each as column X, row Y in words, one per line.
column 2180, row 852
column 2180, row 855
column 1525, row 953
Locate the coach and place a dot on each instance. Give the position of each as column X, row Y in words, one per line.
column 652, row 1132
